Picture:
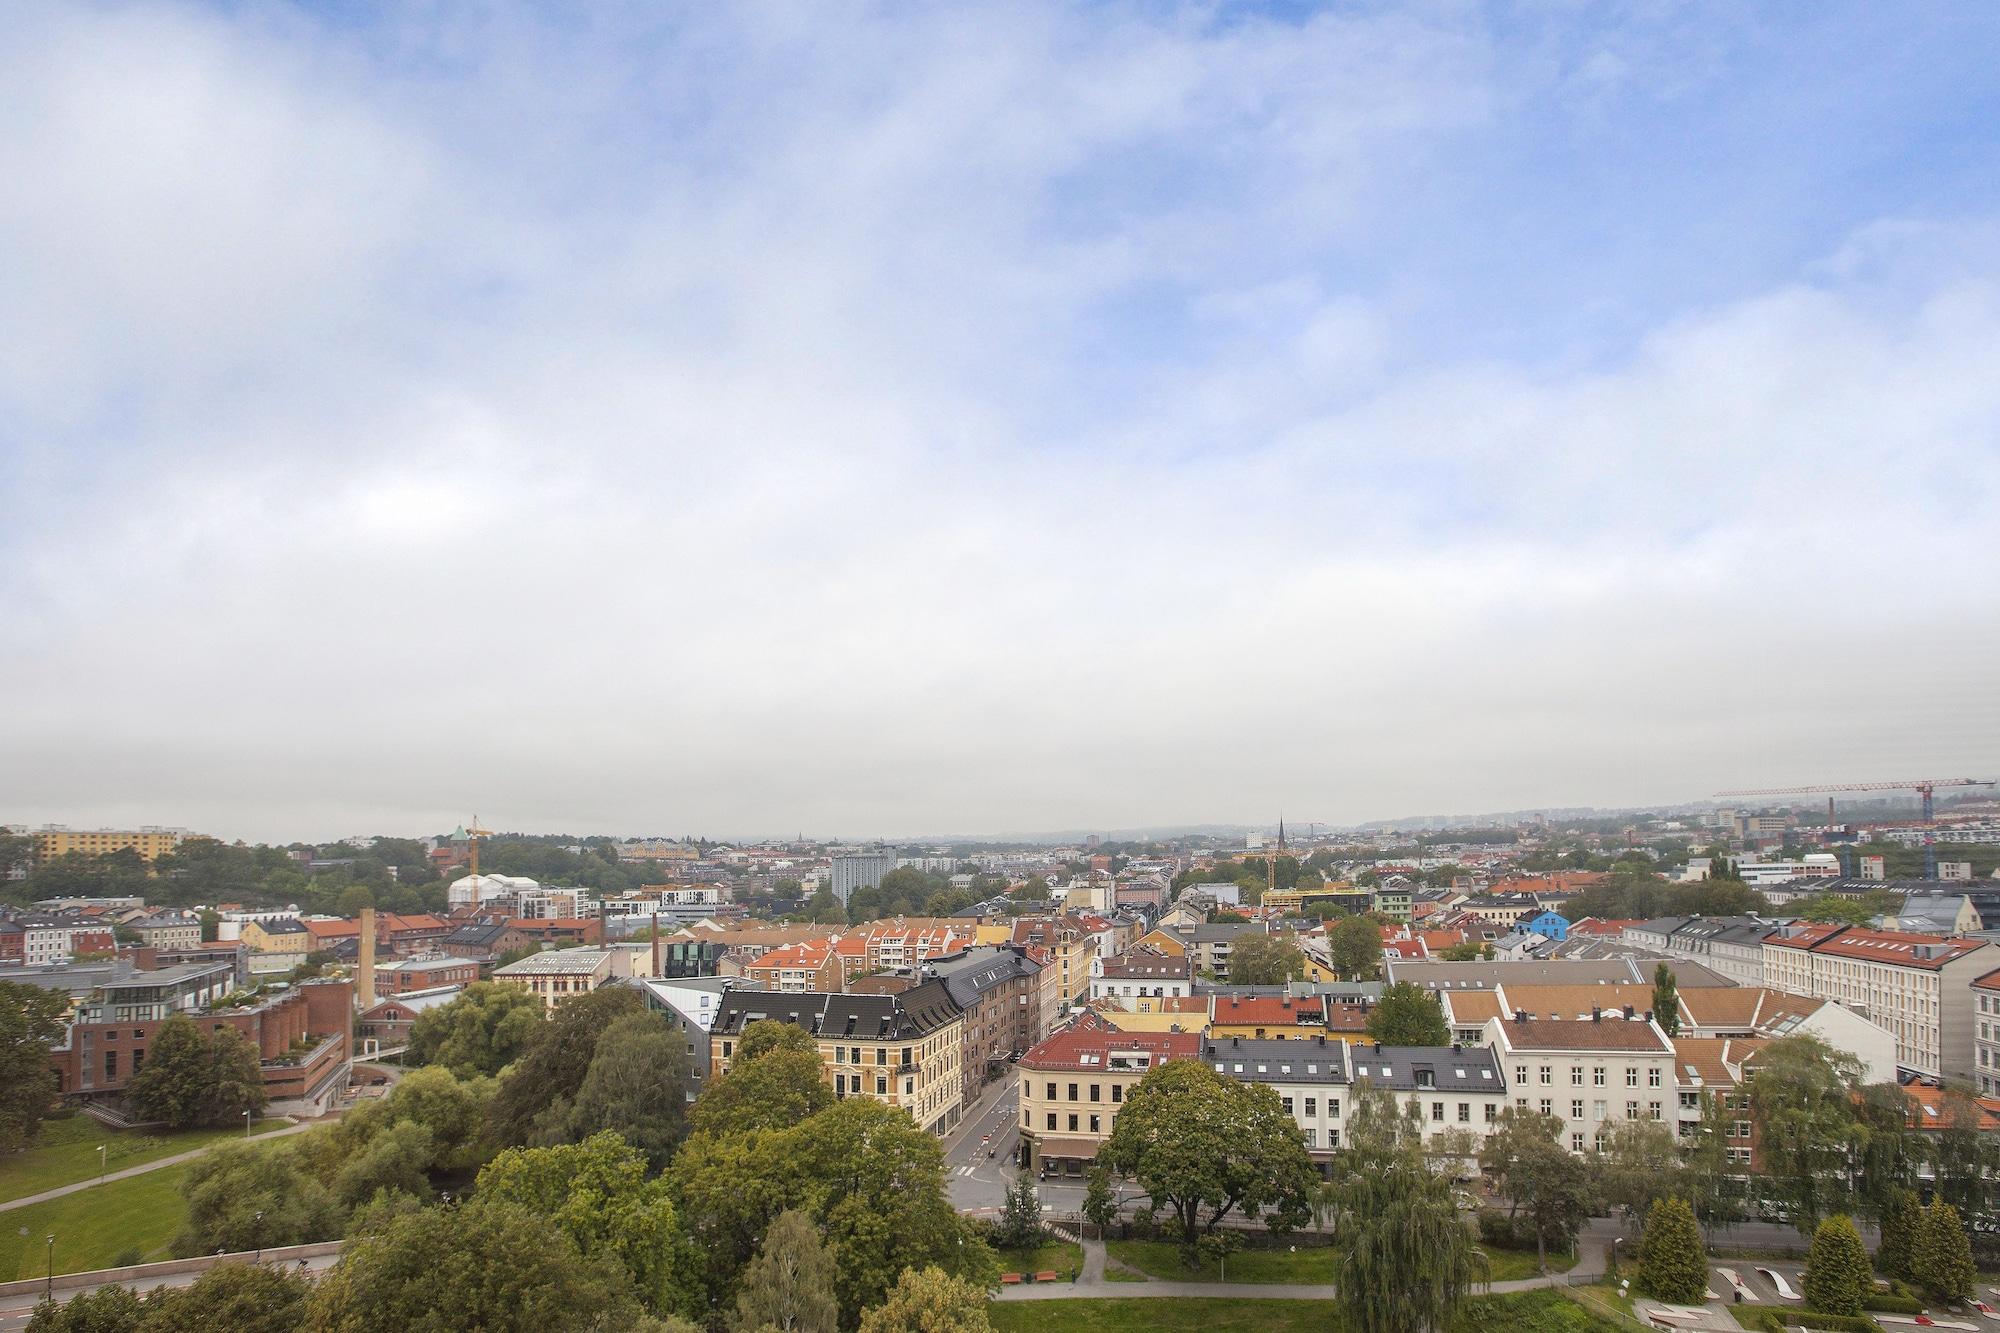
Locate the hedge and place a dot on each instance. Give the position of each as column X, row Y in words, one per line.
column 1890, row 1304
column 1777, row 1321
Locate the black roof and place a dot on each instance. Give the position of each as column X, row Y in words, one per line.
column 916, row 1012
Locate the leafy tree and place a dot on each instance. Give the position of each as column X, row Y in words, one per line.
column 1020, row 1225
column 1355, row 947
column 1805, row 1098
column 1640, row 1163
column 243, row 1298
column 1901, row 1222
column 1205, row 1146
column 1941, row 1256
column 1837, row 1276
column 30, row 1025
column 1406, row 1015
column 823, row 908
column 1707, row 1172
column 603, row 1198
column 535, row 1093
column 1265, row 960
column 1403, row 1258
column 487, row 1267
column 1673, row 1266
column 195, row 1078
column 636, row 1085
column 111, row 1309
column 930, row 1301
column 245, row 1196
column 1100, row 1207
column 789, row 1285
column 482, row 1031
column 774, row 1082
column 1667, row 1000
column 1553, row 1188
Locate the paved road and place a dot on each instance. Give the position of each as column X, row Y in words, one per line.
column 16, row 1311
column 973, row 1179
column 156, row 1164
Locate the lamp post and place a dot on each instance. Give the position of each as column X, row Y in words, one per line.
column 260, row 1233
column 50, row 1293
column 246, row 1124
column 103, row 1162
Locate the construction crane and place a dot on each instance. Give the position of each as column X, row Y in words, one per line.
column 474, row 832
column 1924, row 787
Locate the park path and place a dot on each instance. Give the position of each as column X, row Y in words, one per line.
column 1091, row 1285
column 158, row 1163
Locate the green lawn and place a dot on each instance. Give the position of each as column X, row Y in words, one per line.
column 92, row 1227
column 1059, row 1256
column 1522, row 1312
column 1162, row 1259
column 65, row 1153
column 1512, row 1265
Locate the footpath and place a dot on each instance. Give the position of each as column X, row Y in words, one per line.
column 157, row 1164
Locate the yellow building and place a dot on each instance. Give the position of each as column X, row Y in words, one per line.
column 148, row 842
column 1348, row 897
column 1162, row 942
column 1073, row 1082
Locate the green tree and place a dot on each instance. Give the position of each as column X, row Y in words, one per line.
column 1673, row 1266
column 1205, row 1146
column 242, row 1298
column 30, row 1025
column 235, row 1079
column 106, row 1310
column 789, row 1285
column 1941, row 1256
column 930, row 1300
column 1639, row 1164
column 1549, row 1186
column 1100, row 1206
column 1355, row 946
column 194, row 1078
column 1837, row 1276
column 1667, row 1000
column 1265, row 960
column 637, row 1086
column 1020, row 1225
column 1902, row 1220
column 487, row 1267
column 1707, row 1172
column 601, row 1195
column 1406, row 1015
column 535, row 1093
column 482, row 1031
column 774, row 1082
column 245, row 1196
column 1805, row 1096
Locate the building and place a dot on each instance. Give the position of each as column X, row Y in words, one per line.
column 556, row 974
column 276, row 946
column 1441, row 1088
column 150, row 841
column 1916, row 986
column 1070, row 946
column 797, row 968
column 1587, row 1072
column 690, row 1003
column 904, row 1050
column 385, row 1025
column 862, row 870
column 1074, row 1081
column 999, row 989
column 1553, row 926
column 1311, row 1080
column 1986, row 1033
column 408, row 975
column 1267, row 1017
column 167, row 930
column 48, row 938
column 1141, row 973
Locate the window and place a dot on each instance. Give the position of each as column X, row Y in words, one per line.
column 1653, row 1108
column 1333, row 1109
column 1117, row 1093
column 111, row 1064
column 1597, row 1076
column 1072, row 1122
column 1287, row 1104
column 1492, row 1113
column 1546, row 1073
column 1631, row 1110
column 1576, row 1075
column 1597, row 1110
column 1052, row 1092
column 725, row 1050
column 881, row 1086
column 1093, row 1092
column 1312, row 1106
column 906, row 1056
column 1576, row 1141
column 1631, row 1077
column 1653, row 1078
column 1465, row 1113
column 1741, row 1129
column 1437, row 1113
column 1548, row 1107
column 1576, row 1108
column 1094, row 1128
column 1072, row 1092
column 840, row 1055
column 881, row 1055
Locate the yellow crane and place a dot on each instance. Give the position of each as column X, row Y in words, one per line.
column 475, row 833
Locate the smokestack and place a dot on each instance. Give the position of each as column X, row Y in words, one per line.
column 656, row 943
column 366, row 945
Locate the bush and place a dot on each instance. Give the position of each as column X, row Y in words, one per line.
column 1496, row 1228
column 1672, row 1263
column 1835, row 1323
column 1889, row 1303
column 1837, row 1277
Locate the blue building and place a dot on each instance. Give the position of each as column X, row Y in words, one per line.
column 1549, row 925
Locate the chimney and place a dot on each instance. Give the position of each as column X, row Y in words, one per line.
column 1456, row 1049
column 1321, row 1039
column 656, row 943
column 365, row 946
column 1649, row 1015
column 1520, row 1015
column 1596, row 1014
column 1630, row 1012
column 1236, row 1041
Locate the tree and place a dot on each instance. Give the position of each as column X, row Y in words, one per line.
column 395, row 1161
column 247, row 1196
column 789, row 1285
column 1639, row 1164
column 486, row 1266
column 1355, row 946
column 1673, row 1266
column 194, row 1078
column 30, row 1025
column 1265, row 960
column 536, row 1091
column 482, row 1031
column 243, row 1298
column 637, row 1086
column 1667, row 1000
column 1549, row 1185
column 1805, row 1098
column 112, row 1309
column 929, row 1301
column 1706, row 1171
column 1020, row 1225
column 1404, row 1261
column 1941, row 1256
column 1205, row 1146
column 1406, row 1015
column 1837, row 1276
column 1100, row 1207
column 235, row 1079
column 602, row 1196
column 1902, row 1220
column 774, row 1082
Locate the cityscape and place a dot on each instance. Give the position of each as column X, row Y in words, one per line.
column 1041, row 666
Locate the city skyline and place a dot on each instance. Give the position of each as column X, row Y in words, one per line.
column 1003, row 417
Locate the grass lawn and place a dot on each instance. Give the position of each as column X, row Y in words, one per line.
column 92, row 1227
column 1522, row 1312
column 1060, row 1256
column 65, row 1153
column 1162, row 1259
column 1512, row 1265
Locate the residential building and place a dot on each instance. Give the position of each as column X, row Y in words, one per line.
column 58, row 937
column 1311, row 1079
column 276, row 946
column 167, row 930
column 1070, row 947
column 1587, row 1072
column 690, row 1004
column 1267, row 1017
column 999, row 989
column 556, row 974
column 1916, row 986
column 385, row 1025
column 862, row 870
column 1073, row 1082
column 408, row 975
column 1441, row 1088
column 150, row 841
column 1141, row 973
column 797, row 968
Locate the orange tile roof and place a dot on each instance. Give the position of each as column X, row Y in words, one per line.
column 1712, row 1057
column 1933, row 1109
column 1898, row 947
column 812, row 954
column 1089, row 1036
column 1269, row 1010
column 1568, row 1034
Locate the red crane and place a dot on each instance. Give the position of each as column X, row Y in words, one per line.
column 1924, row 787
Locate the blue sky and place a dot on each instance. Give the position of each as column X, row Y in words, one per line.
column 975, row 418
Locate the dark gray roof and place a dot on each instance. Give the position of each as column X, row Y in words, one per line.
column 970, row 974
column 913, row 1013
column 1273, row 1061
column 1428, row 1068
column 478, row 935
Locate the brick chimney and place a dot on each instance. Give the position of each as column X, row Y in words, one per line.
column 365, row 971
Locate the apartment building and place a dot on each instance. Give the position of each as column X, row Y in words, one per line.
column 556, row 974
column 1919, row 987
column 906, row 1050
column 1141, row 973
column 1986, row 1033
column 48, row 938
column 1587, row 1072
column 1070, row 946
column 797, row 968
column 1267, row 1017
column 149, row 841
column 408, row 975
column 1310, row 1078
column 167, row 930
column 1074, row 1081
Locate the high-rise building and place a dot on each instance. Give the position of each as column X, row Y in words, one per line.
column 149, row 840
column 862, row 870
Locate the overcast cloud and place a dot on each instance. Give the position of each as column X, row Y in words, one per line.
column 863, row 420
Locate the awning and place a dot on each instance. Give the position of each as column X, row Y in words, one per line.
column 1081, row 1150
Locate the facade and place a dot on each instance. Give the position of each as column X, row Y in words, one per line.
column 1986, row 1033
column 863, row 870
column 167, row 930
column 385, row 1025
column 1587, row 1072
column 1070, row 946
column 1141, row 973
column 904, row 1050
column 1267, row 1017
column 1074, row 1081
column 690, row 1004
column 48, row 938
column 999, row 989
column 1916, row 986
column 424, row 974
column 797, row 968
column 150, row 841
column 1311, row 1080
column 555, row 975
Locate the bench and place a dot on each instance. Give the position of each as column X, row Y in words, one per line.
column 1010, row 1279
column 1048, row 1275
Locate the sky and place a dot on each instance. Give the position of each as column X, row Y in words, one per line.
column 884, row 420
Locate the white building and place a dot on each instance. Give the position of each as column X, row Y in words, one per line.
column 1916, row 986
column 1588, row 1072
column 474, row 890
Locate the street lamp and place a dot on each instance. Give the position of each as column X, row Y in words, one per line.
column 103, row 1162
column 50, row 1294
column 260, row 1235
column 246, row 1124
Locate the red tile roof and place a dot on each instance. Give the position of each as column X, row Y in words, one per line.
column 1088, row 1036
column 1269, row 1010
column 1899, row 947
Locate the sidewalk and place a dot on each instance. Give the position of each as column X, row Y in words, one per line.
column 156, row 1164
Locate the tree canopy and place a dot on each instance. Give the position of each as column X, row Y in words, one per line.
column 1406, row 1015
column 482, row 1031
column 30, row 1025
